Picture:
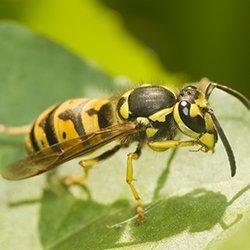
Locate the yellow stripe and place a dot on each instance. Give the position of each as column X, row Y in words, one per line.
column 124, row 109
column 173, row 90
column 161, row 115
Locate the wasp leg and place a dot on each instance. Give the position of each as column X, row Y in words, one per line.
column 88, row 164
column 130, row 179
column 15, row 130
column 164, row 145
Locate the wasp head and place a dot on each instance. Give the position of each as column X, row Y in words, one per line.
column 192, row 116
column 196, row 119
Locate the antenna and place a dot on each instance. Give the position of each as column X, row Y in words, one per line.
column 234, row 93
column 207, row 87
column 225, row 142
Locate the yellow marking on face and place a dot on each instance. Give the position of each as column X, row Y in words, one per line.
column 61, row 126
column 124, row 109
column 161, row 115
column 90, row 122
column 194, row 110
column 209, row 123
column 208, row 140
column 39, row 133
column 151, row 132
column 201, row 101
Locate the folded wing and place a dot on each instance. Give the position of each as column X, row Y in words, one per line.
column 51, row 157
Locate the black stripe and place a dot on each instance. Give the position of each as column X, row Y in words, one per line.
column 75, row 116
column 34, row 143
column 105, row 116
column 48, row 127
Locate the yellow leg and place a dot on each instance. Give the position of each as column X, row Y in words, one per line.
column 87, row 165
column 130, row 179
column 14, row 130
column 164, row 145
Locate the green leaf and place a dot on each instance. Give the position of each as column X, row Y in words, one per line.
column 190, row 199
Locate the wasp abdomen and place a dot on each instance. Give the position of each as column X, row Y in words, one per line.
column 70, row 120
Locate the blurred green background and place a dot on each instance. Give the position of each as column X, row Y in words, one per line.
column 145, row 40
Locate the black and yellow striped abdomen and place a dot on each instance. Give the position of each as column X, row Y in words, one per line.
column 69, row 120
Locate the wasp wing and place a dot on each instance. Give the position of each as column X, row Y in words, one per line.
column 51, row 157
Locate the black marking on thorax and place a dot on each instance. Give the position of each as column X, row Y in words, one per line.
column 104, row 114
column 74, row 115
column 145, row 101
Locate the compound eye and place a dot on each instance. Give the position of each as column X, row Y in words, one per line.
column 194, row 122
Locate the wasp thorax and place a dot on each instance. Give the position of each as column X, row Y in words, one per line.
column 146, row 101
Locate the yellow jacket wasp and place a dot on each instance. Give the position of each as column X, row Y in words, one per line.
column 149, row 114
